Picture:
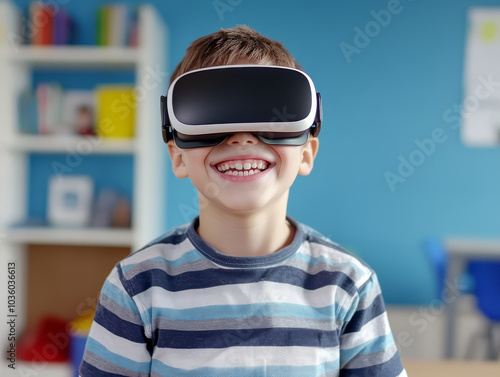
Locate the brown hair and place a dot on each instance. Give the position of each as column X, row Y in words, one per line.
column 230, row 46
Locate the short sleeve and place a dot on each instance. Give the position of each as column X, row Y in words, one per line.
column 367, row 347
column 117, row 344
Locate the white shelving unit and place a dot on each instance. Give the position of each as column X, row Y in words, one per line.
column 76, row 56
column 55, row 236
column 63, row 143
column 147, row 149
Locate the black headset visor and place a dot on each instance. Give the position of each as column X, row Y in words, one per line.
column 203, row 107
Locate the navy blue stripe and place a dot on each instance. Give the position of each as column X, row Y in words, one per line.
column 217, row 277
column 89, row 370
column 391, row 368
column 361, row 317
column 167, row 238
column 118, row 326
column 173, row 239
column 270, row 337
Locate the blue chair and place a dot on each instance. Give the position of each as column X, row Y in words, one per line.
column 486, row 275
column 439, row 262
column 438, row 259
column 482, row 278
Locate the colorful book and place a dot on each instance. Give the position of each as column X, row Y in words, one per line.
column 62, row 27
column 115, row 111
column 102, row 25
column 42, row 16
column 113, row 25
column 118, row 25
column 49, row 100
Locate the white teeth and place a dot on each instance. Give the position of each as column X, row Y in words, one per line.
column 242, row 168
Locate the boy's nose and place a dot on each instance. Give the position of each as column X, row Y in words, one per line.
column 242, row 138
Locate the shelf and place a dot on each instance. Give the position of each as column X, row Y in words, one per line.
column 71, row 143
column 69, row 236
column 73, row 56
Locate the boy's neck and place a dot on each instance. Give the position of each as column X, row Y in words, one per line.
column 245, row 234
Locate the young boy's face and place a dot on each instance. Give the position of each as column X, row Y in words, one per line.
column 243, row 173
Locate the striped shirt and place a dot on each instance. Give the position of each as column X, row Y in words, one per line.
column 180, row 308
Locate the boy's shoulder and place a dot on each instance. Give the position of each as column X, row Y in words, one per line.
column 168, row 246
column 336, row 257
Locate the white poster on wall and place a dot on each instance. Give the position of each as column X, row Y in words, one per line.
column 481, row 102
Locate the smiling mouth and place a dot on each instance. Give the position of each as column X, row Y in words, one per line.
column 242, row 167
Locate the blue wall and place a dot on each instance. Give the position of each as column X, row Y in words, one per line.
column 393, row 93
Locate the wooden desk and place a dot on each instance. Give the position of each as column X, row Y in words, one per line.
column 451, row 368
column 460, row 252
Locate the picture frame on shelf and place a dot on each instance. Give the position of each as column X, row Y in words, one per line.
column 78, row 111
column 70, row 200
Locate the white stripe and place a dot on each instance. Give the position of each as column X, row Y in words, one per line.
column 243, row 294
column 245, row 357
column 378, row 326
column 336, row 256
column 118, row 345
column 359, row 272
column 168, row 251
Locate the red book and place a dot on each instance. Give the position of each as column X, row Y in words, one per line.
column 42, row 24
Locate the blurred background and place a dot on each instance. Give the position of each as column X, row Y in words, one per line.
column 394, row 169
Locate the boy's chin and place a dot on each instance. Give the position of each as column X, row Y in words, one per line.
column 241, row 206
column 239, row 203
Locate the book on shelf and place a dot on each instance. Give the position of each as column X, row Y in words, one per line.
column 115, row 111
column 116, row 25
column 48, row 25
column 107, row 111
column 63, row 31
column 49, row 97
column 41, row 23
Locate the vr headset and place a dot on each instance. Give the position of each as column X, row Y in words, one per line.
column 204, row 107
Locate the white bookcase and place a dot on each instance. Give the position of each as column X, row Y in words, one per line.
column 147, row 149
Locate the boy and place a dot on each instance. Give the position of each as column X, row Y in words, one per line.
column 243, row 290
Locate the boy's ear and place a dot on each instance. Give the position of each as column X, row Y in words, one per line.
column 309, row 152
column 176, row 156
